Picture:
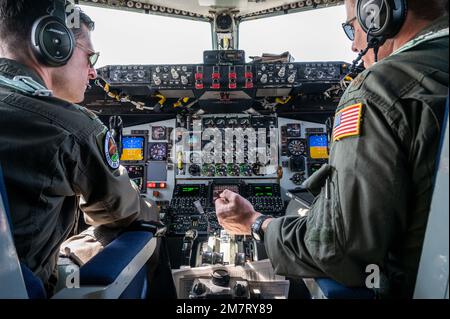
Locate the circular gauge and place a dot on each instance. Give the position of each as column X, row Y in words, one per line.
column 208, row 170
column 221, row 170
column 298, row 178
column 195, row 157
column 293, row 130
column 256, row 169
column 224, row 21
column 232, row 122
column 244, row 122
column 194, row 170
column 233, row 170
column 296, row 147
column 246, row 170
column 220, row 122
column 158, row 152
column 159, row 133
column 209, row 122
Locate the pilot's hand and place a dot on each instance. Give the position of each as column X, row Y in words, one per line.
column 234, row 213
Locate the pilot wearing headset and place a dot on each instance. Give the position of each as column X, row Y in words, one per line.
column 54, row 152
column 374, row 197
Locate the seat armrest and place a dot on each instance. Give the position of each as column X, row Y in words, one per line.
column 333, row 290
column 109, row 273
column 104, row 268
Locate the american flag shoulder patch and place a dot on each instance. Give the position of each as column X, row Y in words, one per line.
column 347, row 122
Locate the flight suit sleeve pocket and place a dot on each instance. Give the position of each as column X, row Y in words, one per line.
column 324, row 233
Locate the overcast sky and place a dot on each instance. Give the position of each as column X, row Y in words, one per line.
column 136, row 38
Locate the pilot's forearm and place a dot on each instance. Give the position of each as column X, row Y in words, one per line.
column 285, row 247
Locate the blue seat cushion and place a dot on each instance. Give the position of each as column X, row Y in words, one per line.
column 34, row 285
column 137, row 289
column 107, row 265
column 334, row 290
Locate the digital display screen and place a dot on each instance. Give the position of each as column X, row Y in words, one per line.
column 157, row 172
column 132, row 148
column 191, row 191
column 318, row 146
column 137, row 175
column 263, row 191
column 217, row 189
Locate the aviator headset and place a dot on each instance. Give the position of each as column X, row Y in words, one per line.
column 381, row 19
column 52, row 40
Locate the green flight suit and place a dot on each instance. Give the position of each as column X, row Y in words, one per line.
column 373, row 210
column 53, row 154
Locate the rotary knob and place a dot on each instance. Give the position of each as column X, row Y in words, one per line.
column 141, row 74
column 240, row 290
column 199, row 288
column 184, row 80
column 194, row 170
column 175, row 74
column 129, row 77
column 157, row 80
column 115, row 76
column 298, row 178
column 291, row 78
column 221, row 277
column 264, row 79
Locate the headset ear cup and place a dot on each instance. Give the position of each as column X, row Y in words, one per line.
column 372, row 15
column 399, row 10
column 384, row 18
column 52, row 41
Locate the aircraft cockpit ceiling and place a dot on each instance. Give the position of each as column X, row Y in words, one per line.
column 204, row 10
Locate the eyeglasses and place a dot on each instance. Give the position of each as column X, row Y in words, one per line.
column 349, row 29
column 93, row 56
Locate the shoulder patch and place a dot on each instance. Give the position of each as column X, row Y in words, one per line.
column 347, row 122
column 111, row 152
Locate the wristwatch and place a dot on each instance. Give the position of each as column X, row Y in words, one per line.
column 257, row 231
